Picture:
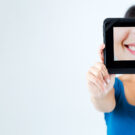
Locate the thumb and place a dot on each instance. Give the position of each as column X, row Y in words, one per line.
column 101, row 49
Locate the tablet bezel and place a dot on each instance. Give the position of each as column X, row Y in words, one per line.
column 116, row 67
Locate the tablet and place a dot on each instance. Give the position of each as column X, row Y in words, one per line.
column 119, row 40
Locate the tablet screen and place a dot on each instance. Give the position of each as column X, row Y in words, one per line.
column 124, row 43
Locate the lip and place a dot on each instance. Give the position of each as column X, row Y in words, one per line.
column 127, row 47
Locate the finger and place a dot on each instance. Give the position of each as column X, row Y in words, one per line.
column 96, row 81
column 92, row 87
column 104, row 71
column 101, row 48
column 97, row 73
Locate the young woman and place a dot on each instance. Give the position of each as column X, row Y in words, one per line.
column 114, row 96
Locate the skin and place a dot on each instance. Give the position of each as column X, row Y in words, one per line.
column 122, row 36
column 100, row 85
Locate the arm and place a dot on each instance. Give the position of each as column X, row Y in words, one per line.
column 100, row 85
column 105, row 104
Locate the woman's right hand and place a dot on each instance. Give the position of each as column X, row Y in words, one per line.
column 100, row 82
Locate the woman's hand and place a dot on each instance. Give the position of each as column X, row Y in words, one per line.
column 100, row 82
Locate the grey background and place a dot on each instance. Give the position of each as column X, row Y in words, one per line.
column 46, row 48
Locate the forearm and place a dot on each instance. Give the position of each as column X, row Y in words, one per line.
column 106, row 103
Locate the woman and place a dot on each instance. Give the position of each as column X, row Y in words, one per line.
column 114, row 96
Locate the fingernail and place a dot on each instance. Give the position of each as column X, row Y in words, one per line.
column 104, row 84
column 108, row 80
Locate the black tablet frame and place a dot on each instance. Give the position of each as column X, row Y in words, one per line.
column 116, row 67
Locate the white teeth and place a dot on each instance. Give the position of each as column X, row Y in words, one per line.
column 132, row 48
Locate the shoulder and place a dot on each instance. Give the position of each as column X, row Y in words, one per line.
column 123, row 78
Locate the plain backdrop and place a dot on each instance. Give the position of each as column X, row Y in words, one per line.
column 46, row 49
